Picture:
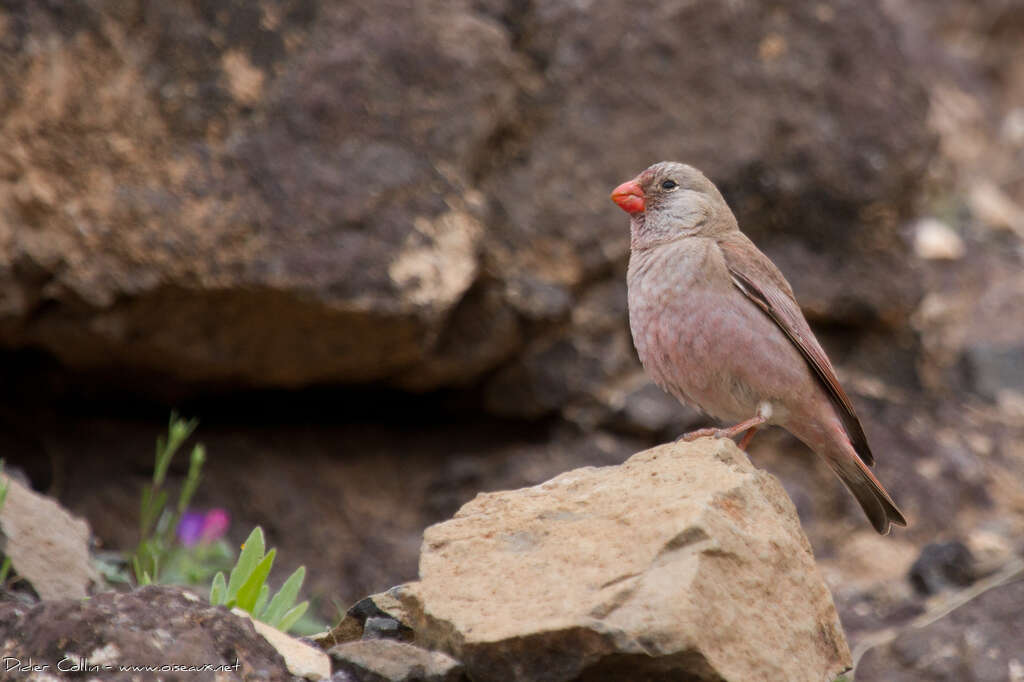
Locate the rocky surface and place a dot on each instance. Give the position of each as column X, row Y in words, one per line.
column 47, row 546
column 683, row 561
column 300, row 658
column 972, row 639
column 379, row 616
column 152, row 626
column 385, row 660
column 198, row 199
column 416, row 192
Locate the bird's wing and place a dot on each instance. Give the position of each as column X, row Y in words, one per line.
column 761, row 282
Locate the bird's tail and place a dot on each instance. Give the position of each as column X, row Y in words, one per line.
column 874, row 500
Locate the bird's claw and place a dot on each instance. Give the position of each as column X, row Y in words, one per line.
column 702, row 433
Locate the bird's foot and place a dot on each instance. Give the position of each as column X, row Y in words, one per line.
column 703, row 433
column 750, row 426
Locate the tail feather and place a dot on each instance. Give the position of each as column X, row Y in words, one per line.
column 879, row 507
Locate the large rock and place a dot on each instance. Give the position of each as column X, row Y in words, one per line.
column 47, row 546
column 416, row 192
column 830, row 137
column 685, row 560
column 159, row 627
column 292, row 201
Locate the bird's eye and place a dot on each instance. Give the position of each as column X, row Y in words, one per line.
column 669, row 184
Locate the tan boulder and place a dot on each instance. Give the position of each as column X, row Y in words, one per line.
column 47, row 546
column 683, row 561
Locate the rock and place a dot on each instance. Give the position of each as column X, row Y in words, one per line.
column 154, row 626
column 382, row 628
column 379, row 616
column 558, row 369
column 637, row 405
column 979, row 641
column 942, row 565
column 619, row 92
column 683, row 561
column 994, row 368
column 1012, row 128
column 972, row 329
column 301, row 659
column 47, row 546
column 384, row 660
column 383, row 192
column 233, row 181
column 935, row 240
column 993, row 207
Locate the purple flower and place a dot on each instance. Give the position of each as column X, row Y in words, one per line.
column 190, row 527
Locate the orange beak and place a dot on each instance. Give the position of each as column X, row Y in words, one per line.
column 629, row 196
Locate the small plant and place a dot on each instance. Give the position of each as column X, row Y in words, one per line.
column 200, row 550
column 178, row 545
column 157, row 522
column 247, row 588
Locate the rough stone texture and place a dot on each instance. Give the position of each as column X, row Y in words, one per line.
column 362, row 617
column 943, row 565
column 829, row 126
column 47, row 546
column 302, row 659
column 382, row 660
column 414, row 192
column 231, row 172
column 150, row 626
column 977, row 642
column 685, row 560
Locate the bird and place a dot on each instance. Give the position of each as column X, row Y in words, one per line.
column 716, row 325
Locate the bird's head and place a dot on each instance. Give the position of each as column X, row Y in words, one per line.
column 669, row 201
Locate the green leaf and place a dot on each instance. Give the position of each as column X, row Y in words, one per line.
column 285, row 597
column 219, row 589
column 195, row 469
column 144, row 563
column 292, row 617
column 249, row 592
column 178, row 431
column 4, row 485
column 152, row 511
column 261, row 601
column 252, row 554
column 145, row 513
column 143, row 578
column 165, row 523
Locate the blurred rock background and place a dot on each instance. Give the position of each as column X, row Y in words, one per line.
column 369, row 245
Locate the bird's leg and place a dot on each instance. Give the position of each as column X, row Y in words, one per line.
column 729, row 432
column 747, row 437
column 699, row 433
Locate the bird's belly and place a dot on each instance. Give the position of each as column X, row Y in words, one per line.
column 714, row 351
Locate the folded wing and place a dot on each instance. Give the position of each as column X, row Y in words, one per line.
column 761, row 282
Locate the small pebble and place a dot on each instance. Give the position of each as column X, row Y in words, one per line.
column 935, row 240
